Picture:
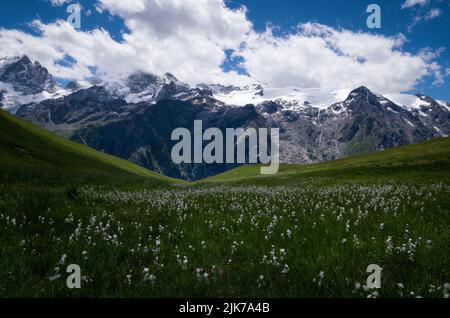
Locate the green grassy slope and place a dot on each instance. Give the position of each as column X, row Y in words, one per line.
column 427, row 160
column 30, row 153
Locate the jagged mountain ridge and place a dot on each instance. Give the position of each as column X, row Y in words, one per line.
column 26, row 77
column 24, row 82
column 134, row 119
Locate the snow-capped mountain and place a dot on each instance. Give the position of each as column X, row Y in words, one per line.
column 145, row 87
column 23, row 82
column 290, row 98
column 133, row 118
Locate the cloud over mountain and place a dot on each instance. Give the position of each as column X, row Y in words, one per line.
column 190, row 38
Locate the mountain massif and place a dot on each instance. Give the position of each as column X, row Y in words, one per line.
column 133, row 119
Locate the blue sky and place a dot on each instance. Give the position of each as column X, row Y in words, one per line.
column 351, row 14
column 421, row 35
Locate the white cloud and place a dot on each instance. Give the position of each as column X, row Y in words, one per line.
column 58, row 3
column 413, row 3
column 172, row 18
column 428, row 54
column 185, row 37
column 320, row 56
column 430, row 15
column 433, row 13
column 438, row 73
column 188, row 39
column 89, row 49
column 122, row 7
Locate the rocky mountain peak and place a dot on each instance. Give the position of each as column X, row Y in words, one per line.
column 26, row 77
column 25, row 60
column 426, row 99
column 171, row 78
column 363, row 99
column 73, row 86
column 360, row 91
column 139, row 81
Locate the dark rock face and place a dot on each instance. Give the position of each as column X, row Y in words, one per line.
column 140, row 81
column 139, row 132
column 376, row 124
column 89, row 106
column 144, row 137
column 269, row 108
column 434, row 115
column 152, row 88
column 73, row 86
column 27, row 77
column 363, row 123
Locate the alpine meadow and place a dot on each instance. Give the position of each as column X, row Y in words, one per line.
column 310, row 231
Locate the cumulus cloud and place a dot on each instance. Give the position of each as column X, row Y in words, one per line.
column 185, row 37
column 321, row 56
column 56, row 41
column 189, row 38
column 176, row 19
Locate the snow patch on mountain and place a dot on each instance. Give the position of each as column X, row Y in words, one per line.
column 23, row 82
column 290, row 98
column 150, row 88
column 12, row 99
column 444, row 104
column 408, row 101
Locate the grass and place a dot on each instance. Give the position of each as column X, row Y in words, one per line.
column 29, row 152
column 429, row 160
column 309, row 231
